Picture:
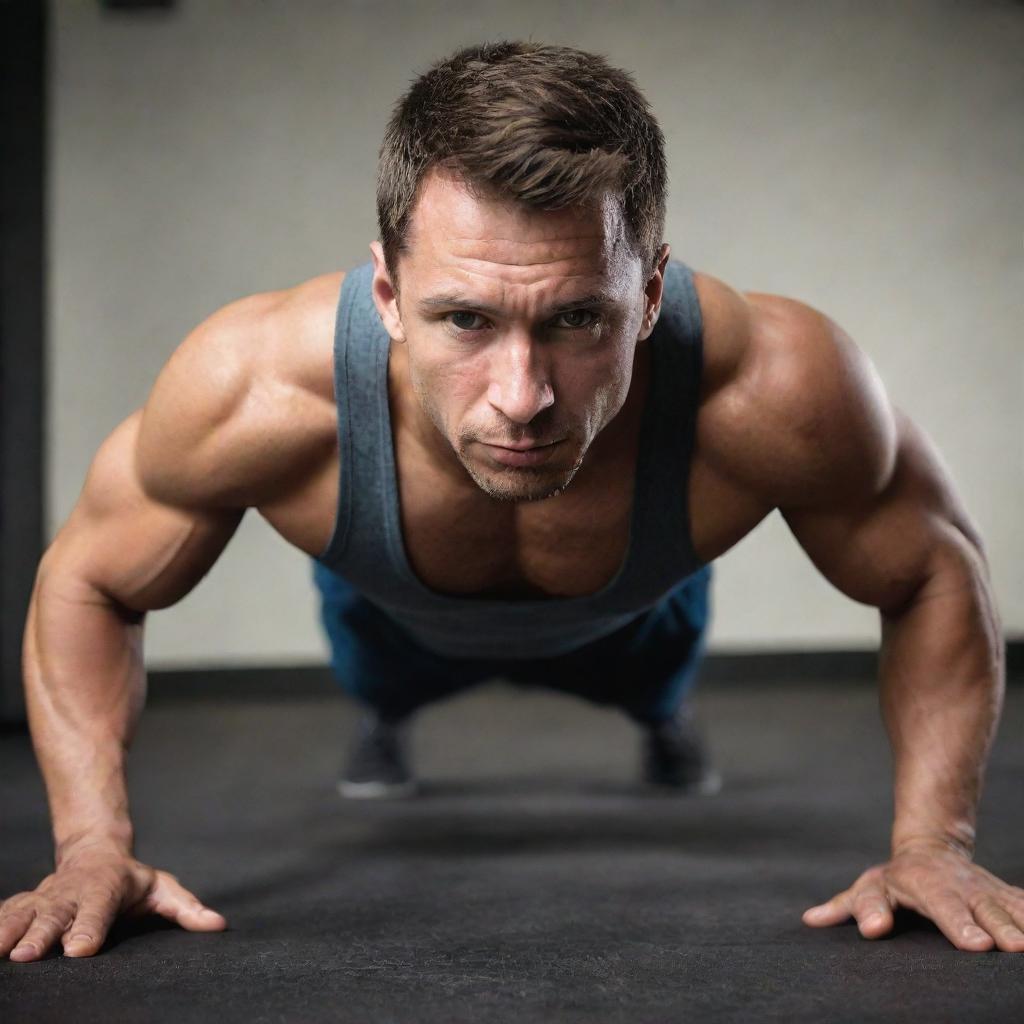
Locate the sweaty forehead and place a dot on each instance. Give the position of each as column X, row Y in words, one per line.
column 453, row 232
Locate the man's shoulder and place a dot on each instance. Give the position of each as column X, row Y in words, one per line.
column 280, row 338
column 300, row 335
column 792, row 404
column 246, row 401
column 726, row 322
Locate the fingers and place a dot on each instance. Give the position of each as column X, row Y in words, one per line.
column 15, row 919
column 949, row 911
column 868, row 904
column 977, row 917
column 30, row 926
column 1004, row 927
column 87, row 932
column 78, row 907
column 873, row 910
column 170, row 899
column 835, row 911
column 45, row 928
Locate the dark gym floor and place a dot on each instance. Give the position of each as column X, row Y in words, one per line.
column 532, row 880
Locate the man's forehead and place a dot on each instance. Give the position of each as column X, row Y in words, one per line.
column 450, row 219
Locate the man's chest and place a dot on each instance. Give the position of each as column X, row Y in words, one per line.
column 456, row 542
column 461, row 543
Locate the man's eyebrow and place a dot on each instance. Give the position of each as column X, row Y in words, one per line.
column 466, row 302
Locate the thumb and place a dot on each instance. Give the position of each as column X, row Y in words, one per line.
column 832, row 912
column 170, row 899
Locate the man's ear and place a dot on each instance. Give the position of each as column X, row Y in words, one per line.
column 654, row 290
column 385, row 295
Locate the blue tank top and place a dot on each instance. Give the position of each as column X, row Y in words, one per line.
column 366, row 545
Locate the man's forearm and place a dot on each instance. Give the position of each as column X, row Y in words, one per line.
column 84, row 686
column 942, row 685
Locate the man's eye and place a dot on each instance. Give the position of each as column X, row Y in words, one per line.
column 578, row 319
column 465, row 326
column 575, row 314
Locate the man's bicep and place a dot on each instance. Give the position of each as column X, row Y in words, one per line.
column 881, row 548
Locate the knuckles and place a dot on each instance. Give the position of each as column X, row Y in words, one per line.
column 15, row 904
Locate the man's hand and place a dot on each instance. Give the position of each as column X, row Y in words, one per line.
column 972, row 907
column 78, row 903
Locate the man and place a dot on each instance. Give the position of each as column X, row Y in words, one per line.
column 532, row 434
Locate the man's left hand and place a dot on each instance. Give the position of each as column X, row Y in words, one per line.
column 974, row 909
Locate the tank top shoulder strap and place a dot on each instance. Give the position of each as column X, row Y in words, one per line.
column 360, row 350
column 676, row 363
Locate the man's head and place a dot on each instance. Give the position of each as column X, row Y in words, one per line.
column 521, row 201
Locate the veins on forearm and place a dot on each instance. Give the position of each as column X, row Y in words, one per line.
column 941, row 695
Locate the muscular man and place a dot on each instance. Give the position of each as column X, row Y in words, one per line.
column 513, row 445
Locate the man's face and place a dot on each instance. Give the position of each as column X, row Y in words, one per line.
column 520, row 326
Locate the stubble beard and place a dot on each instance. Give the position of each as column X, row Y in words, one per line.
column 504, row 483
column 517, row 483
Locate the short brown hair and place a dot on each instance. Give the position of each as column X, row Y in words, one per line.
column 548, row 126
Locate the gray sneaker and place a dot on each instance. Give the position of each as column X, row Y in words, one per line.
column 378, row 766
column 675, row 756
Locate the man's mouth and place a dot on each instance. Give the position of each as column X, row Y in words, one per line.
column 521, row 454
column 521, row 446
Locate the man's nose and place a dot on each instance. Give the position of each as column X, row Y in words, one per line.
column 520, row 385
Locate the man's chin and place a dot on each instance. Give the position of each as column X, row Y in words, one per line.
column 516, row 484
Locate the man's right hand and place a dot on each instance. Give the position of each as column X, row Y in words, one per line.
column 78, row 903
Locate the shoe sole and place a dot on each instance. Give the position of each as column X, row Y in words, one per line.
column 376, row 790
column 710, row 784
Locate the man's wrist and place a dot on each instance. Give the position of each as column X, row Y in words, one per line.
column 113, row 840
column 959, row 840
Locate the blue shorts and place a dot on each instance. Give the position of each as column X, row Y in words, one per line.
column 646, row 667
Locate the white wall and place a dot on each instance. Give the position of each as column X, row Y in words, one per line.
column 863, row 156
